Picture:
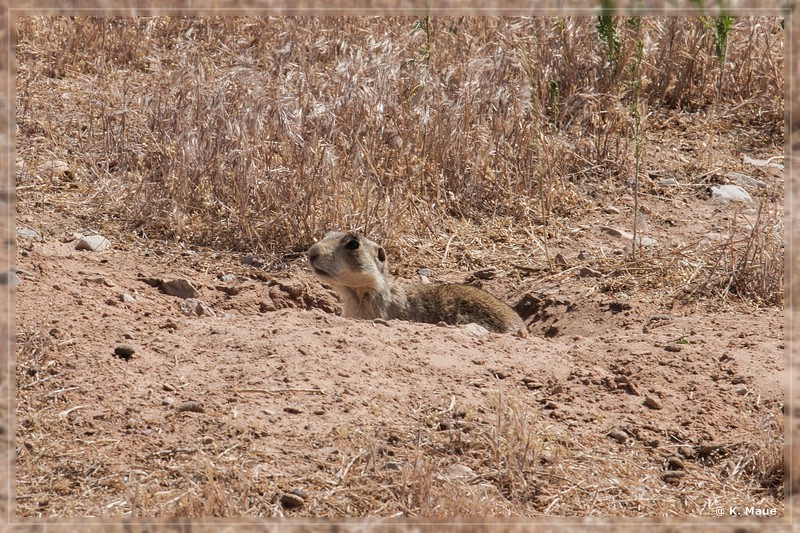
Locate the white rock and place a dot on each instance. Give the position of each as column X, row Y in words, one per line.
column 93, row 243
column 725, row 194
column 475, row 330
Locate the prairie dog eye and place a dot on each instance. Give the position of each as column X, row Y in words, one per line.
column 351, row 244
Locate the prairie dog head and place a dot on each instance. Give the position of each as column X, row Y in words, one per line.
column 349, row 260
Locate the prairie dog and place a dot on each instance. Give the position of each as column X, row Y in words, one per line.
column 358, row 270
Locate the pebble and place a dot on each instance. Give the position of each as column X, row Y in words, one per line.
column 191, row 406
column 644, row 241
column 124, row 351
column 611, row 210
column 667, row 182
column 618, row 435
column 93, row 243
column 675, row 463
column 746, row 181
column 652, row 402
column 293, row 410
column 28, row 233
column 291, row 499
column 673, row 348
column 740, row 389
column 195, row 307
column 586, row 272
column 127, row 298
column 426, row 272
column 182, row 288
column 460, row 472
column 725, row 194
column 475, row 330
column 228, row 278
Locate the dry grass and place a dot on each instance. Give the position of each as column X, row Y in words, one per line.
column 260, row 134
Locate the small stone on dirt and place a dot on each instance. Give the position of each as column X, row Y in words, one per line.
column 652, row 403
column 93, row 243
column 475, row 330
column 124, row 351
column 725, row 194
column 227, row 278
column 195, row 307
column 675, row 463
column 293, row 410
column 28, row 233
column 673, row 348
column 746, row 181
column 292, row 500
column 611, row 210
column 618, row 435
column 182, row 288
column 191, row 406
column 126, row 298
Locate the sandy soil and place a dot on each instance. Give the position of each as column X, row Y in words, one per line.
column 276, row 380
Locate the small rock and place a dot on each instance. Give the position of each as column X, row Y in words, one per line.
column 771, row 162
column 687, row 452
column 644, row 241
column 660, row 318
column 28, row 233
column 167, row 387
column 611, row 210
column 740, row 389
column 673, row 348
column 124, row 351
column 475, row 330
column 586, row 272
column 459, row 472
column 182, row 288
column 195, row 307
column 675, row 463
column 725, row 194
column 746, row 181
column 191, row 406
column 293, row 410
column 618, row 435
column 381, row 321
column 227, row 278
column 93, row 243
column 559, row 260
column 652, row 402
column 55, row 167
column 392, row 466
column 667, row 182
column 426, row 272
column 126, row 298
column 292, row 500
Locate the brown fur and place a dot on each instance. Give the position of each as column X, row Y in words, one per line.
column 358, row 270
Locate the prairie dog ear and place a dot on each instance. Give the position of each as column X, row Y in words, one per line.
column 381, row 254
